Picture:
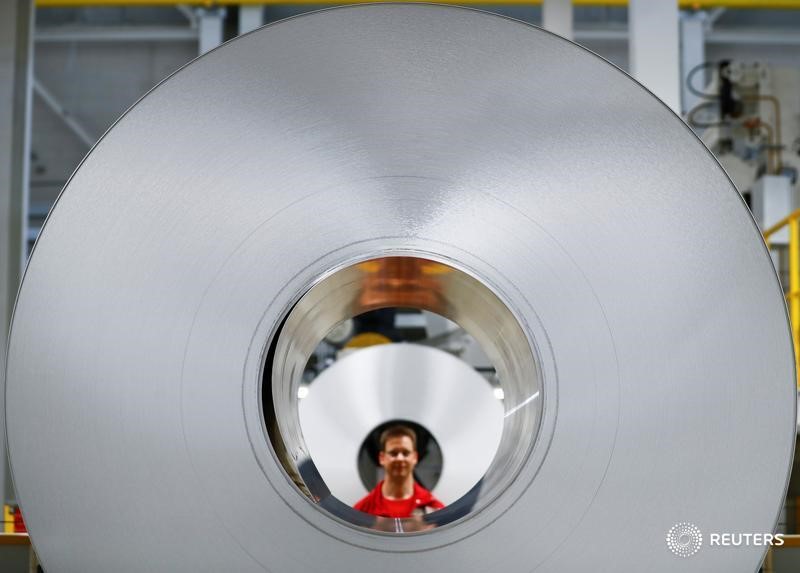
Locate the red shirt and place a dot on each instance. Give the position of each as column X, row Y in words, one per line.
column 421, row 502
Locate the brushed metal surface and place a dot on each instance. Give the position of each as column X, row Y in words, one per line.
column 388, row 382
column 632, row 264
column 403, row 279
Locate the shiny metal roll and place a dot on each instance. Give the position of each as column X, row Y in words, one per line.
column 385, row 155
column 407, row 382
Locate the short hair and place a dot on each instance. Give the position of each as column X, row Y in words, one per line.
column 396, row 431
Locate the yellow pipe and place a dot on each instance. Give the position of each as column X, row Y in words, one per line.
column 793, row 216
column 793, row 295
column 685, row 4
column 794, row 288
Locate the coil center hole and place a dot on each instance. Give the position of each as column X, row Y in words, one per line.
column 356, row 353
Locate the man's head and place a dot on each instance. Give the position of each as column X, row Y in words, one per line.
column 398, row 455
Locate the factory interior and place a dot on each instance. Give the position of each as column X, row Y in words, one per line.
column 729, row 69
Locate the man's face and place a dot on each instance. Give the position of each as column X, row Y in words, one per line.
column 398, row 457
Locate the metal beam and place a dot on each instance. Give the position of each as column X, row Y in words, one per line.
column 69, row 120
column 16, row 55
column 713, row 16
column 597, row 34
column 116, row 34
column 685, row 4
column 754, row 36
column 750, row 36
column 188, row 13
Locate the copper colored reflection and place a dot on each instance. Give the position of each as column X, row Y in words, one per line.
column 408, row 282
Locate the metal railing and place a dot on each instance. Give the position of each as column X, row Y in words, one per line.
column 792, row 222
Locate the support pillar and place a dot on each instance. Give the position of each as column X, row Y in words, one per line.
column 209, row 27
column 16, row 73
column 654, row 50
column 693, row 53
column 250, row 18
column 557, row 17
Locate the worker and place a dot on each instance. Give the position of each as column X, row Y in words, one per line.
column 398, row 495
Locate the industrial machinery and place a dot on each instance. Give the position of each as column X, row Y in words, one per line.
column 749, row 117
